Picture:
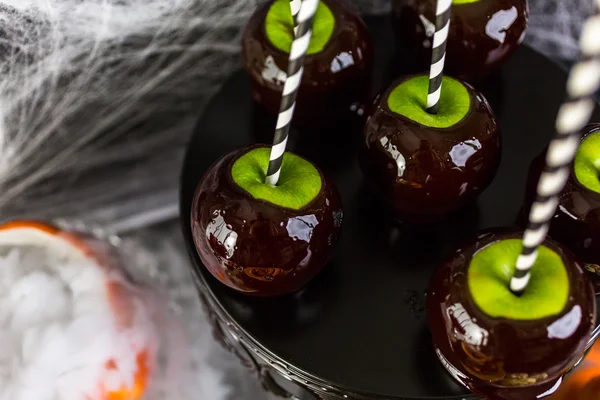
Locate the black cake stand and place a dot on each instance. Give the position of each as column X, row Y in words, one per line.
column 359, row 331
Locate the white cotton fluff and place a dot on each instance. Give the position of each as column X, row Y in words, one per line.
column 58, row 329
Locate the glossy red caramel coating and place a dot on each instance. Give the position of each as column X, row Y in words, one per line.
column 256, row 247
column 576, row 223
column 444, row 168
column 477, row 41
column 499, row 358
column 335, row 81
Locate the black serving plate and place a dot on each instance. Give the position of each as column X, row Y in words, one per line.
column 359, row 329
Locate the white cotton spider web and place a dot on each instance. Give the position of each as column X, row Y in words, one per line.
column 555, row 26
column 98, row 97
column 92, row 84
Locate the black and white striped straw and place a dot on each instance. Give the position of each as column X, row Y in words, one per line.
column 438, row 54
column 295, row 7
column 290, row 88
column 574, row 114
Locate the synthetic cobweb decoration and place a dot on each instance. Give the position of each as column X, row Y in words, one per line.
column 555, row 25
column 79, row 76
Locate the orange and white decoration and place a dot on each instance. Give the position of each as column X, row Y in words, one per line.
column 72, row 324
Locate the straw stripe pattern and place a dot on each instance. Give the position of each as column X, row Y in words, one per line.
column 295, row 7
column 438, row 54
column 574, row 114
column 290, row 88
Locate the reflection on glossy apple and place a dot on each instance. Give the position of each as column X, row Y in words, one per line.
column 483, row 34
column 337, row 70
column 499, row 345
column 425, row 166
column 262, row 240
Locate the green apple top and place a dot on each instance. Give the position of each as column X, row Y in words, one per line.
column 299, row 182
column 457, row 2
column 587, row 162
column 409, row 100
column 279, row 27
column 489, row 277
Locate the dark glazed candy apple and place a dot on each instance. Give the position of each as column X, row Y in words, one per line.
column 337, row 68
column 423, row 166
column 576, row 223
column 503, row 346
column 483, row 34
column 259, row 239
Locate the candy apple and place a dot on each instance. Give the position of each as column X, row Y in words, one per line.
column 422, row 165
column 337, row 68
column 576, row 223
column 501, row 345
column 483, row 34
column 259, row 239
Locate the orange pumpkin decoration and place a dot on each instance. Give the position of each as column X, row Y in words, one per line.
column 29, row 232
column 140, row 380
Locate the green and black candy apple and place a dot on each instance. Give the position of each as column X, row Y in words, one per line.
column 576, row 223
column 500, row 345
column 259, row 239
column 337, row 67
column 424, row 166
column 483, row 34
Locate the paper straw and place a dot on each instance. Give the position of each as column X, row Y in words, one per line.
column 295, row 7
column 290, row 88
column 438, row 54
column 574, row 114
